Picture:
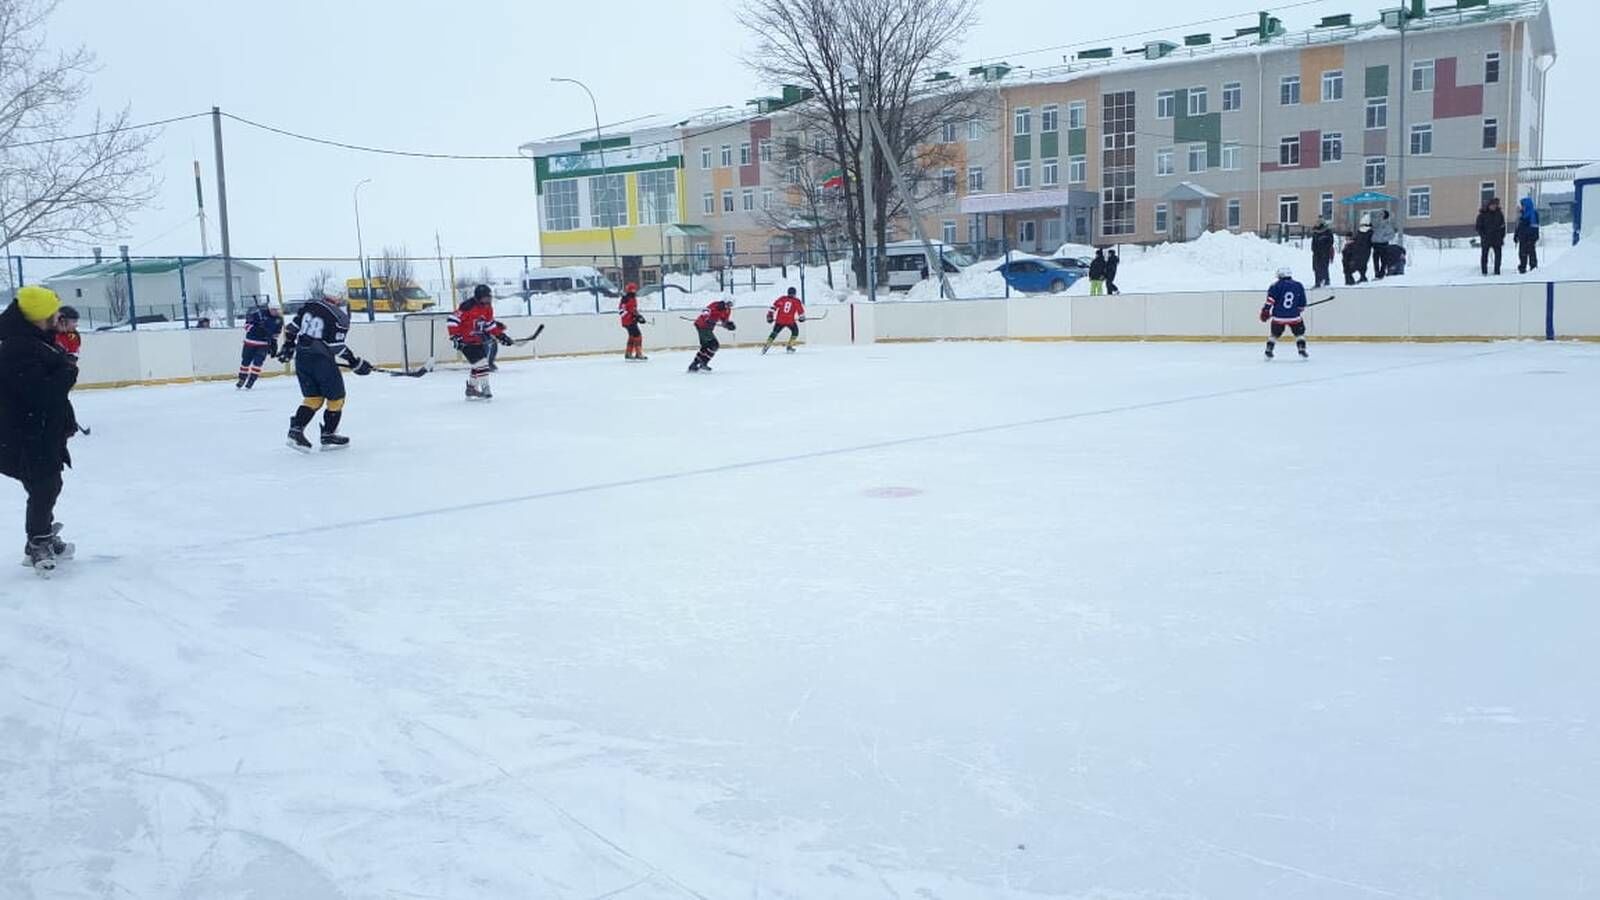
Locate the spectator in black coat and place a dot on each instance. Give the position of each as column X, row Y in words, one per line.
column 1112, row 262
column 1491, row 228
column 1322, row 241
column 1097, row 273
column 36, row 417
column 1363, row 241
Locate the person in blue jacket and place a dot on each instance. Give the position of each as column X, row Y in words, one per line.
column 1527, row 237
column 1285, row 308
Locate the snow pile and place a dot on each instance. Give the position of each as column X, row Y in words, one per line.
column 1580, row 263
column 981, row 280
column 1217, row 260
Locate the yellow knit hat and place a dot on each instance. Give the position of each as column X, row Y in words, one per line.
column 38, row 303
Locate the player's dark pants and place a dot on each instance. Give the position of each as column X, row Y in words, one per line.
column 321, row 383
column 43, row 490
column 1298, row 328
column 708, row 346
column 635, row 340
column 491, row 350
column 250, row 362
column 794, row 332
column 1483, row 258
column 477, row 355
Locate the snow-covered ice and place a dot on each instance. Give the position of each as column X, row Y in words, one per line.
column 951, row 621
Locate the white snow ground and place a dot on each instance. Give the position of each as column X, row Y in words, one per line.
column 950, row 621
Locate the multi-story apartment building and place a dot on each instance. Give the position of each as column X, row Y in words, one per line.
column 1423, row 112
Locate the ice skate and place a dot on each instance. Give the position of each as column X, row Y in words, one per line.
column 297, row 440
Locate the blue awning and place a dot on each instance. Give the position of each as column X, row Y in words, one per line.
column 1367, row 197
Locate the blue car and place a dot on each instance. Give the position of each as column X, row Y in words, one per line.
column 1038, row 276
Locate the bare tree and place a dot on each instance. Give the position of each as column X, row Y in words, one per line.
column 395, row 272
column 891, row 48
column 64, row 178
column 317, row 284
column 117, row 299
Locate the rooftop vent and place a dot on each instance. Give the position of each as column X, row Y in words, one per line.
column 1158, row 49
column 1196, row 40
column 1096, row 53
column 1342, row 20
column 991, row 72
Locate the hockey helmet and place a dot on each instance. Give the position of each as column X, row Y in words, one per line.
column 1285, row 272
column 482, row 291
column 68, row 314
column 631, row 288
column 793, row 293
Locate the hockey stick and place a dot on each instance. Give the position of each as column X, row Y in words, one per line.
column 83, row 430
column 532, row 337
column 418, row 372
column 818, row 317
column 1329, row 299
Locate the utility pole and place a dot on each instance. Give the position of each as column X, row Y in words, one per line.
column 200, row 206
column 1405, row 126
column 934, row 261
column 868, row 202
column 600, row 144
column 361, row 257
column 447, row 289
column 222, row 212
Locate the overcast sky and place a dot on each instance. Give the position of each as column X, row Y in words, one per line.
column 473, row 76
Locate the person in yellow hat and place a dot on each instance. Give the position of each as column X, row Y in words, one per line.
column 36, row 417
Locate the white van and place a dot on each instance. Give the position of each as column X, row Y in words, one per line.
column 905, row 260
column 568, row 280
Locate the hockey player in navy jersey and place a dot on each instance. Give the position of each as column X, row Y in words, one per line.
column 315, row 341
column 261, row 329
column 1285, row 308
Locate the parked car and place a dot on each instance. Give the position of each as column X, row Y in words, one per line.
column 1038, row 276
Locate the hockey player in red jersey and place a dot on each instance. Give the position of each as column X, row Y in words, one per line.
column 786, row 312
column 720, row 311
column 628, row 309
column 472, row 326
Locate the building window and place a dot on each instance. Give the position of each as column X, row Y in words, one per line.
column 1233, row 213
column 766, row 150
column 1049, row 119
column 974, row 228
column 948, row 133
column 1232, row 96
column 727, row 155
column 1486, row 192
column 1376, row 172
column 1289, row 91
column 975, row 130
column 744, row 153
column 1230, row 157
column 658, row 197
column 1119, row 163
column 1491, row 68
column 705, row 157
column 1332, row 146
column 1289, row 151
column 1077, row 169
column 1422, row 140
column 1049, row 172
column 1197, row 101
column 708, row 203
column 947, row 181
column 561, row 205
column 1197, row 158
column 1052, row 233
column 1024, row 175
column 1164, row 165
column 1377, row 113
column 1491, row 133
column 1077, row 114
column 747, row 199
column 1288, row 209
column 766, row 198
column 730, row 248
column 948, row 232
column 796, row 174
column 1022, row 121
column 1166, row 104
column 791, row 149
column 975, row 180
column 727, row 201
column 1161, row 219
column 608, row 201
column 1333, row 86
column 1422, row 75
column 1419, row 202
column 1026, row 232
column 1325, row 207
column 819, row 145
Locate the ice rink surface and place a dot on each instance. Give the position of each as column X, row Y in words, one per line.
column 935, row 622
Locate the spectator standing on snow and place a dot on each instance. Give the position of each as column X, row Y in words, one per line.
column 1491, row 227
column 36, row 417
column 1348, row 256
column 1363, row 239
column 1097, row 274
column 1112, row 262
column 1322, row 240
column 1527, row 237
column 1383, row 234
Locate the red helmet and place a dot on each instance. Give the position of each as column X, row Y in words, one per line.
column 631, row 288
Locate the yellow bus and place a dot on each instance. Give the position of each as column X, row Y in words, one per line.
column 411, row 297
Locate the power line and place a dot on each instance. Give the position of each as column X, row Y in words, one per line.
column 103, row 132
column 385, row 151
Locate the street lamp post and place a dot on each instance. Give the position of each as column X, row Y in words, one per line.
column 600, row 143
column 361, row 250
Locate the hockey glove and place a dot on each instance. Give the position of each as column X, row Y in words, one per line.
column 287, row 354
column 1266, row 313
column 272, row 347
column 361, row 367
column 802, row 318
column 729, row 325
column 456, row 343
column 769, row 318
column 504, row 339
